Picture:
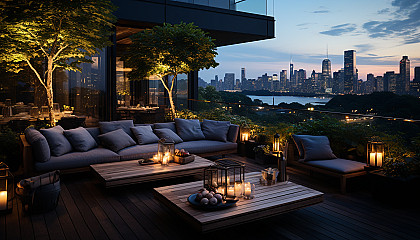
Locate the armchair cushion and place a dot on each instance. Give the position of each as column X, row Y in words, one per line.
column 170, row 125
column 338, row 165
column 125, row 125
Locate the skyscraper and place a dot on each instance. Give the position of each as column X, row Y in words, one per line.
column 291, row 75
column 243, row 76
column 229, row 81
column 403, row 82
column 349, row 71
column 283, row 79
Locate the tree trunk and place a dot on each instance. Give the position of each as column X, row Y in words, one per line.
column 50, row 94
column 171, row 101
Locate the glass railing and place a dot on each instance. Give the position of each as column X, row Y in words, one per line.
column 261, row 7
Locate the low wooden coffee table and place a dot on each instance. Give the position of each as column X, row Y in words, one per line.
column 268, row 201
column 130, row 172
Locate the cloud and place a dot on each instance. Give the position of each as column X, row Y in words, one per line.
column 339, row 30
column 404, row 25
column 321, row 11
column 361, row 48
column 383, row 11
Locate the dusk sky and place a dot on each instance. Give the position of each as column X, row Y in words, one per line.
column 381, row 32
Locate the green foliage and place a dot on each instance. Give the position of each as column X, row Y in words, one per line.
column 66, row 31
column 170, row 50
column 347, row 140
column 262, row 149
column 9, row 148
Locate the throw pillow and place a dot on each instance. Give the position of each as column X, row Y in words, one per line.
column 40, row 147
column 116, row 140
column 170, row 125
column 80, row 139
column 317, row 148
column 144, row 134
column 298, row 143
column 58, row 143
column 168, row 134
column 215, row 130
column 125, row 125
column 189, row 129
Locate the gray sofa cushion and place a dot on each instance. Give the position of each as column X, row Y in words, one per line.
column 233, row 132
column 138, row 151
column 116, row 140
column 189, row 129
column 144, row 134
column 317, row 148
column 215, row 130
column 338, row 165
column 296, row 139
column 205, row 146
column 168, row 134
column 170, row 125
column 125, row 125
column 78, row 159
column 40, row 148
column 58, row 143
column 80, row 139
column 95, row 132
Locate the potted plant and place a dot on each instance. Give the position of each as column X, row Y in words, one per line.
column 263, row 154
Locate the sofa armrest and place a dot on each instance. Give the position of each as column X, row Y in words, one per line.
column 233, row 132
column 27, row 156
column 291, row 152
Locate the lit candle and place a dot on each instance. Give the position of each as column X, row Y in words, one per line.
column 221, row 190
column 231, row 191
column 245, row 137
column 379, row 159
column 372, row 159
column 247, row 189
column 3, row 200
column 238, row 189
column 228, row 180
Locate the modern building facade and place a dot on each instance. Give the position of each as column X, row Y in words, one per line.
column 103, row 87
column 349, row 71
column 403, row 83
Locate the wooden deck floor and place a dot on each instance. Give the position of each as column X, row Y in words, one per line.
column 88, row 211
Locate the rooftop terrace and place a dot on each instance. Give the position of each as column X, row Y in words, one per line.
column 87, row 211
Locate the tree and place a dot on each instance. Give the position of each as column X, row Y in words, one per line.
column 170, row 50
column 53, row 34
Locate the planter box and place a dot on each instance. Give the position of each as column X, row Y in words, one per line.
column 184, row 160
column 261, row 158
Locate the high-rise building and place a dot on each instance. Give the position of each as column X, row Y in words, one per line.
column 403, row 82
column 379, row 84
column 415, row 85
column 292, row 83
column 370, row 83
column 349, row 71
column 243, row 76
column 390, row 82
column 283, row 80
column 301, row 77
column 229, row 81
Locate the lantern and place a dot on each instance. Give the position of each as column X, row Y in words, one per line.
column 375, row 153
column 226, row 177
column 166, row 151
column 245, row 133
column 276, row 144
column 6, row 189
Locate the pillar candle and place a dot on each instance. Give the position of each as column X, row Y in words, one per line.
column 3, row 200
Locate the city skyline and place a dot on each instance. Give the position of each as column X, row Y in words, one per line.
column 381, row 32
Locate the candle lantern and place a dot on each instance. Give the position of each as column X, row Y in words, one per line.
column 375, row 153
column 6, row 189
column 226, row 177
column 276, row 143
column 166, row 151
column 245, row 134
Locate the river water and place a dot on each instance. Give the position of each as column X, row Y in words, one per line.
column 290, row 99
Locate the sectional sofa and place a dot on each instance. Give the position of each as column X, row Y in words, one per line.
column 75, row 149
